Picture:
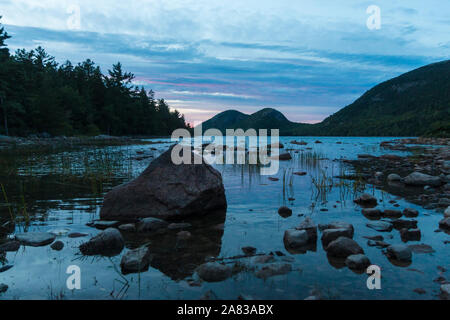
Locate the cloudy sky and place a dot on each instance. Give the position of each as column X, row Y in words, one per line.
column 307, row 58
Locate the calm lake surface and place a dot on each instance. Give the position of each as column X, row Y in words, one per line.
column 56, row 200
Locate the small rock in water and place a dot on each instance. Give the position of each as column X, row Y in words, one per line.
column 393, row 177
column 285, row 212
column 419, row 291
column 421, row 248
column 330, row 235
column 10, row 246
column 150, row 225
column 381, row 226
column 249, row 251
column 3, row 288
column 57, row 245
column 273, row 179
column 374, row 238
column 59, row 232
column 392, row 213
column 410, row 213
column 135, row 261
column 128, row 227
column 410, row 235
column 5, row 268
column 103, row 225
column 343, row 247
column 445, row 291
column 372, row 213
column 274, row 269
column 421, row 179
column 357, row 262
column 263, row 259
column 445, row 224
column 77, row 235
column 214, row 272
column 366, row 200
column 108, row 243
column 404, row 224
column 295, row 238
column 35, row 239
column 399, row 252
column 447, row 212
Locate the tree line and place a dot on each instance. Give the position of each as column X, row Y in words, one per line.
column 38, row 95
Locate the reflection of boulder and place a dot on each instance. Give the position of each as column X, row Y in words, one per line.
column 167, row 191
column 178, row 257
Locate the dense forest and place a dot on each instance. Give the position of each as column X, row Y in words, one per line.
column 39, row 96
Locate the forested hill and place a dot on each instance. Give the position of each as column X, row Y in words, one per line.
column 413, row 104
column 416, row 103
column 39, row 96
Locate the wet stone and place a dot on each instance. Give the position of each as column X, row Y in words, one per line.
column 273, row 269
column 214, row 272
column 35, row 239
column 381, row 226
column 57, row 245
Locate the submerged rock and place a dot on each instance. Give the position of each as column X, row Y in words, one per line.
column 404, row 224
column 166, row 190
column 151, row 225
column 330, row 235
column 381, row 226
column 372, row 213
column 214, row 272
column 410, row 235
column 410, row 213
column 343, row 247
column 394, row 177
column 445, row 223
column 392, row 213
column 273, row 269
column 445, row 291
column 310, row 227
column 57, row 245
column 421, row 179
column 399, row 252
column 285, row 212
column 135, row 261
column 366, row 200
column 35, row 239
column 3, row 288
column 10, row 246
column 294, row 239
column 107, row 243
column 357, row 262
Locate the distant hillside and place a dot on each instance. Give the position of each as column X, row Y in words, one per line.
column 264, row 119
column 416, row 103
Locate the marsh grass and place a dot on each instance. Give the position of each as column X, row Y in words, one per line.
column 27, row 174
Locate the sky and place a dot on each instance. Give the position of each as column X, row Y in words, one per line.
column 307, row 59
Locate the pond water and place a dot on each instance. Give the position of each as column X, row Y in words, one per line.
column 56, row 198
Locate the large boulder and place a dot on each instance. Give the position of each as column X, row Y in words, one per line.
column 295, row 238
column 422, row 179
column 106, row 243
column 366, row 200
column 167, row 191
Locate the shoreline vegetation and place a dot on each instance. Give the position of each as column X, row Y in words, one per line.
column 40, row 97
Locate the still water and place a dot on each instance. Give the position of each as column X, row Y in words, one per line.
column 251, row 219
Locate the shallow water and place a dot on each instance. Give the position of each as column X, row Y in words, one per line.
column 251, row 220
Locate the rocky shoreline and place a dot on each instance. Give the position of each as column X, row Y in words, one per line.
column 423, row 178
